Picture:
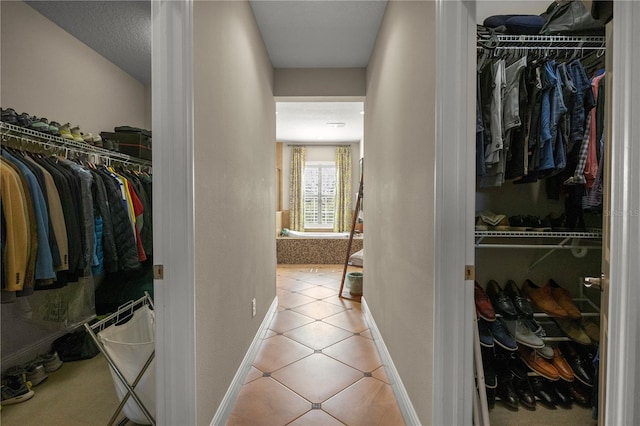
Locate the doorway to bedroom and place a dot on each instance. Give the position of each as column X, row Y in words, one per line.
column 319, row 151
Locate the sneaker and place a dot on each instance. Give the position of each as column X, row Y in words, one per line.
column 97, row 141
column 36, row 373
column 54, row 128
column 517, row 223
column 76, row 134
column 10, row 116
column 65, row 132
column 481, row 225
column 15, row 389
column 88, row 138
column 24, row 120
column 51, row 362
column 556, row 220
column 40, row 124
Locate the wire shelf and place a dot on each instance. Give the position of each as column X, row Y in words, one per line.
column 44, row 139
column 592, row 234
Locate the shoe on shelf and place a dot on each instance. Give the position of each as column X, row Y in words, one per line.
column 579, row 394
column 543, row 390
column 97, row 141
column 561, row 389
column 51, row 361
column 516, row 366
column 535, row 327
column 76, row 134
column 523, row 335
column 24, row 120
column 519, row 300
column 557, row 221
column 501, row 335
column 572, row 329
column 525, row 392
column 40, row 124
column 543, row 298
column 497, row 222
column 591, row 329
column 481, row 225
column 538, row 224
column 484, row 309
column 486, row 339
column 538, row 364
column 501, row 303
column 578, row 363
column 563, row 367
column 506, row 392
column 517, row 223
column 545, row 352
column 564, row 299
column 15, row 389
column 65, row 132
column 54, row 128
column 9, row 116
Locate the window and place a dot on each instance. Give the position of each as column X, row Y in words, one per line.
column 319, row 194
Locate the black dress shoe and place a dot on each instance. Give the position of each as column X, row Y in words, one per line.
column 543, row 391
column 525, row 393
column 519, row 300
column 579, row 365
column 491, row 398
column 501, row 303
column 518, row 368
column 506, row 392
column 561, row 389
column 579, row 393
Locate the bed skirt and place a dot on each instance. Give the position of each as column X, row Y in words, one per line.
column 302, row 251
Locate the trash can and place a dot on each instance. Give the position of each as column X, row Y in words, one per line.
column 354, row 283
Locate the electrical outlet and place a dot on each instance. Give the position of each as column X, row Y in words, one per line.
column 253, row 307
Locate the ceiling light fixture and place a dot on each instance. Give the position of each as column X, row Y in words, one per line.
column 337, row 124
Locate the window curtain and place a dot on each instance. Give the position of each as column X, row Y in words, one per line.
column 343, row 214
column 296, row 189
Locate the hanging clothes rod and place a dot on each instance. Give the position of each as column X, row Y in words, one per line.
column 50, row 142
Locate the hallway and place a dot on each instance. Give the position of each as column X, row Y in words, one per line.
column 318, row 364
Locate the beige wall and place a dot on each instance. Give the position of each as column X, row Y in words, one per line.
column 399, row 192
column 486, row 8
column 319, row 82
column 235, row 191
column 49, row 73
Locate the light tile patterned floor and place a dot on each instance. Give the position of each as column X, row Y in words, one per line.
column 318, row 364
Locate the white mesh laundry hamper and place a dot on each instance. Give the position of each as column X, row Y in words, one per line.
column 130, row 347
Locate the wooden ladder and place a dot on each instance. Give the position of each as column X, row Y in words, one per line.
column 356, row 212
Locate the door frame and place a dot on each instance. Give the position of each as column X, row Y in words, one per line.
column 453, row 378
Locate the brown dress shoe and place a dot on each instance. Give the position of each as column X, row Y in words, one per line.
column 564, row 299
column 538, row 364
column 572, row 329
column 484, row 308
column 563, row 367
column 543, row 299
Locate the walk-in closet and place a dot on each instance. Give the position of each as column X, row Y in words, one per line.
column 541, row 184
column 77, row 217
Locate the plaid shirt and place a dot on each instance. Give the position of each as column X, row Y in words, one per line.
column 578, row 175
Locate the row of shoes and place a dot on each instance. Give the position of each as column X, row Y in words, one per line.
column 509, row 378
column 489, row 221
column 18, row 381
column 515, row 306
column 65, row 131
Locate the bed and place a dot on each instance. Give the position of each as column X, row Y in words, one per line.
column 315, row 248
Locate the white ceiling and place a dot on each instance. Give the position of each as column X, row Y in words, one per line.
column 297, row 34
column 319, row 122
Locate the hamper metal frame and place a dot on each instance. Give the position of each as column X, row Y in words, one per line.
column 123, row 313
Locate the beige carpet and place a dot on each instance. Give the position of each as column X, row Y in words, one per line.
column 80, row 393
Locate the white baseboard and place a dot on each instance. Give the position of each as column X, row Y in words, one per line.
column 229, row 400
column 404, row 402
